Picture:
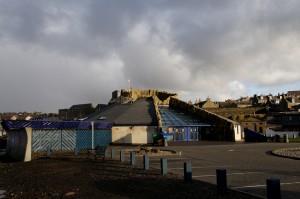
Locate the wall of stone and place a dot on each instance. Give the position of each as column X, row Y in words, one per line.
column 222, row 128
column 157, row 113
column 162, row 96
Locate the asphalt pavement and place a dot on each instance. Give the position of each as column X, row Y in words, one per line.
column 248, row 165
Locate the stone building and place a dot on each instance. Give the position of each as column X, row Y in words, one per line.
column 76, row 112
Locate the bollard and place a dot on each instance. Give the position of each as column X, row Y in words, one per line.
column 164, row 166
column 165, row 142
column 132, row 158
column 187, row 172
column 286, row 138
column 49, row 152
column 146, row 162
column 75, row 152
column 294, row 136
column 112, row 153
column 221, row 181
column 122, row 155
column 273, row 188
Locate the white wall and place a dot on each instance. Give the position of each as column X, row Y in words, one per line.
column 133, row 134
column 270, row 133
column 237, row 132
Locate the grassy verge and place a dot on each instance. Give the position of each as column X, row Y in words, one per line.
column 294, row 139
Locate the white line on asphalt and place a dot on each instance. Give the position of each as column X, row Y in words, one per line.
column 253, row 186
column 229, row 174
column 169, row 159
column 179, row 168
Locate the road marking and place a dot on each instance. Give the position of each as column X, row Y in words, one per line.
column 254, row 186
column 229, row 174
column 169, row 159
column 179, row 168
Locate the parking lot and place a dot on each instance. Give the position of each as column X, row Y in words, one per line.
column 247, row 165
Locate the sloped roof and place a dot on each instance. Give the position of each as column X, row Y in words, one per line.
column 40, row 124
column 139, row 113
column 174, row 117
column 81, row 106
column 7, row 117
column 295, row 93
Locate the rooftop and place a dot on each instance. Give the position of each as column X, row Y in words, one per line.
column 173, row 117
column 139, row 113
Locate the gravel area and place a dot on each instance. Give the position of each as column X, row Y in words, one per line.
column 288, row 152
column 68, row 176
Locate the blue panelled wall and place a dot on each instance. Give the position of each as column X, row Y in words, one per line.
column 68, row 139
column 64, row 135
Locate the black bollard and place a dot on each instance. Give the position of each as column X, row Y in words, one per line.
column 221, row 180
column 187, row 172
column 122, row 155
column 146, row 162
column 273, row 188
column 75, row 152
column 49, row 152
column 132, row 158
column 112, row 153
column 164, row 166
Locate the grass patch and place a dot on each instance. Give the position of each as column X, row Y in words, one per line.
column 294, row 139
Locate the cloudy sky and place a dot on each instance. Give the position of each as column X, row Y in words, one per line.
column 61, row 52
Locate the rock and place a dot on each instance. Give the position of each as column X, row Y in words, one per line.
column 70, row 193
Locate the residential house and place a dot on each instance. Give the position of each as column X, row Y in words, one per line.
column 227, row 104
column 253, row 122
column 259, row 100
column 283, row 123
column 76, row 112
column 289, row 103
column 293, row 93
column 9, row 117
column 207, row 104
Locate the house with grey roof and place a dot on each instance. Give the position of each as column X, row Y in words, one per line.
column 133, row 123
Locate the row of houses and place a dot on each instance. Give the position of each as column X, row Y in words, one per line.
column 29, row 116
column 281, row 102
column 257, row 113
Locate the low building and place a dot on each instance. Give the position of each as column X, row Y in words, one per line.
column 253, row 122
column 133, row 123
column 76, row 111
column 28, row 137
column 283, row 123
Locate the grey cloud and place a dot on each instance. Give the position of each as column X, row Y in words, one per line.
column 68, row 52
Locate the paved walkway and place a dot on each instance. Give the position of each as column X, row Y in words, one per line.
column 288, row 152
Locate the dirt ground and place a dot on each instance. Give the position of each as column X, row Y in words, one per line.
column 68, row 176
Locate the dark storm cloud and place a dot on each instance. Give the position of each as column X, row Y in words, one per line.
column 58, row 53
